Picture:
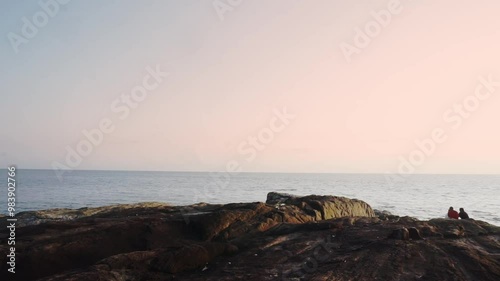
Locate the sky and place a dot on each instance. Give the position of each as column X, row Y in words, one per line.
column 252, row 86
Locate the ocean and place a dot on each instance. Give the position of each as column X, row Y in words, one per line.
column 420, row 196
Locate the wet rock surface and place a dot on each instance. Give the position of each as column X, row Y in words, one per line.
column 291, row 238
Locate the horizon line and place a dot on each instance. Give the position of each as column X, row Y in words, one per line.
column 254, row 172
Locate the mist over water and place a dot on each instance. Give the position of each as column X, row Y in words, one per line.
column 420, row 196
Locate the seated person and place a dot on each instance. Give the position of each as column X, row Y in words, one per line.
column 452, row 214
column 463, row 215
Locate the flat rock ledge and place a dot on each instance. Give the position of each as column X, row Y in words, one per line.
column 287, row 238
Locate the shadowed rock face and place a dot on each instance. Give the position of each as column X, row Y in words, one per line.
column 298, row 238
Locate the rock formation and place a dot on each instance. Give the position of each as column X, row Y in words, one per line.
column 290, row 238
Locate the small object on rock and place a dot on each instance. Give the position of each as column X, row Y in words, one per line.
column 400, row 234
column 414, row 233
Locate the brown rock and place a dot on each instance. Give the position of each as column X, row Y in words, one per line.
column 251, row 241
column 414, row 233
column 400, row 234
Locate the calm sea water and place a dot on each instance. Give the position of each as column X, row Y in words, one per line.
column 421, row 196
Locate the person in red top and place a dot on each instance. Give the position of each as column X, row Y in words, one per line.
column 452, row 214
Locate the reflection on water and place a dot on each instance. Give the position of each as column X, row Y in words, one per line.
column 421, row 196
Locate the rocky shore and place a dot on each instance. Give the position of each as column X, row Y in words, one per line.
column 286, row 238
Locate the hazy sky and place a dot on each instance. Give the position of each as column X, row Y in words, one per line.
column 232, row 65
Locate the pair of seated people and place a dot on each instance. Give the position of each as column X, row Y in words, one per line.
column 452, row 214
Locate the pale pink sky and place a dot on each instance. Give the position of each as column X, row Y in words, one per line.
column 227, row 76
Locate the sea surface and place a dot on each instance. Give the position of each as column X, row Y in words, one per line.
column 420, row 196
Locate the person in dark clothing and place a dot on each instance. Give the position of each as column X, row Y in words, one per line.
column 463, row 215
column 452, row 214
